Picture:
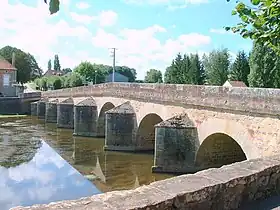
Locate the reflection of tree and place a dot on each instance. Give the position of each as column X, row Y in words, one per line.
column 17, row 149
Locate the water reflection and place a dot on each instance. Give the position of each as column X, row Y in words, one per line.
column 45, row 178
column 113, row 170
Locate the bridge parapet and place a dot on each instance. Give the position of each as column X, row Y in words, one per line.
column 228, row 187
column 254, row 100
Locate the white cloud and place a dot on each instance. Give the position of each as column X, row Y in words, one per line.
column 141, row 49
column 104, row 19
column 35, row 35
column 220, row 31
column 82, row 5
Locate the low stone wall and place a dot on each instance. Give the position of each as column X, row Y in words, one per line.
column 228, row 187
column 255, row 100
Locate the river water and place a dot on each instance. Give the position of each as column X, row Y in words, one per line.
column 33, row 167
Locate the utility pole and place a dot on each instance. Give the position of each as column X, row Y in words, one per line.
column 114, row 62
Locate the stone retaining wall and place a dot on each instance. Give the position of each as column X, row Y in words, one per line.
column 256, row 100
column 228, row 187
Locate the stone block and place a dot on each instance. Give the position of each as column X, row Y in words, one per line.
column 51, row 111
column 65, row 114
column 121, row 128
column 85, row 118
column 41, row 108
column 34, row 108
column 176, row 145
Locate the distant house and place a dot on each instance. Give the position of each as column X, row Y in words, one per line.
column 234, row 84
column 52, row 72
column 8, row 74
column 118, row 78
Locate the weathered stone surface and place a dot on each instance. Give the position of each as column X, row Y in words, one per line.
column 51, row 111
column 121, row 128
column 176, row 145
column 85, row 118
column 41, row 108
column 34, row 108
column 228, row 187
column 65, row 114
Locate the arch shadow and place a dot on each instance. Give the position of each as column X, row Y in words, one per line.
column 145, row 137
column 218, row 149
column 101, row 121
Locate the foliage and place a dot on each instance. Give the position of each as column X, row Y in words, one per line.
column 75, row 80
column 260, row 21
column 50, row 64
column 262, row 64
column 66, row 70
column 91, row 72
column 185, row 70
column 53, row 6
column 56, row 64
column 216, row 66
column 240, row 68
column 27, row 66
column 153, row 76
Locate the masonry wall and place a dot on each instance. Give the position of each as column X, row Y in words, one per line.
column 255, row 100
column 228, row 187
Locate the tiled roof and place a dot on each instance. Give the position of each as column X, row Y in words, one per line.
column 4, row 64
column 237, row 84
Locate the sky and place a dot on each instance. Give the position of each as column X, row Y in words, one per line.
column 147, row 33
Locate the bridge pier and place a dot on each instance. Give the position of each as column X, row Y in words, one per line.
column 41, row 108
column 176, row 146
column 65, row 114
column 34, row 108
column 85, row 118
column 51, row 111
column 121, row 128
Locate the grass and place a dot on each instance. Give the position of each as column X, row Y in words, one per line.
column 11, row 116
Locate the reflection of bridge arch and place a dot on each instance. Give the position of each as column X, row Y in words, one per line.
column 101, row 118
column 218, row 149
column 145, row 138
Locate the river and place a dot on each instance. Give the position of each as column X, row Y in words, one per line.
column 33, row 169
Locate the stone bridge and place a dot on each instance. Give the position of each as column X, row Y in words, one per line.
column 189, row 127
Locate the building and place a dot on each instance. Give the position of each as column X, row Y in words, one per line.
column 234, row 84
column 118, row 78
column 52, row 72
column 8, row 74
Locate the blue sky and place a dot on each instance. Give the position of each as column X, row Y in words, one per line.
column 147, row 33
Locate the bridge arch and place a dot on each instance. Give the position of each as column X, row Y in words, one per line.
column 223, row 142
column 145, row 137
column 101, row 118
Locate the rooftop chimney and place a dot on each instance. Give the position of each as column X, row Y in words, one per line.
column 13, row 59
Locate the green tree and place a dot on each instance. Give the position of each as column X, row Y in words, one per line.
column 240, row 68
column 24, row 62
column 262, row 64
column 259, row 21
column 276, row 71
column 91, row 72
column 75, row 80
column 56, row 64
column 197, row 73
column 216, row 66
column 153, row 76
column 49, row 64
column 66, row 70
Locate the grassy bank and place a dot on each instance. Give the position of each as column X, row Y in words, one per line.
column 11, row 116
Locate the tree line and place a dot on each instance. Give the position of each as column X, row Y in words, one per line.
column 85, row 73
column 261, row 68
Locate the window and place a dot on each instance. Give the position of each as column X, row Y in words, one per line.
column 6, row 79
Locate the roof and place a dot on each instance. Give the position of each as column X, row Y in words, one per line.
column 5, row 65
column 51, row 72
column 237, row 83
